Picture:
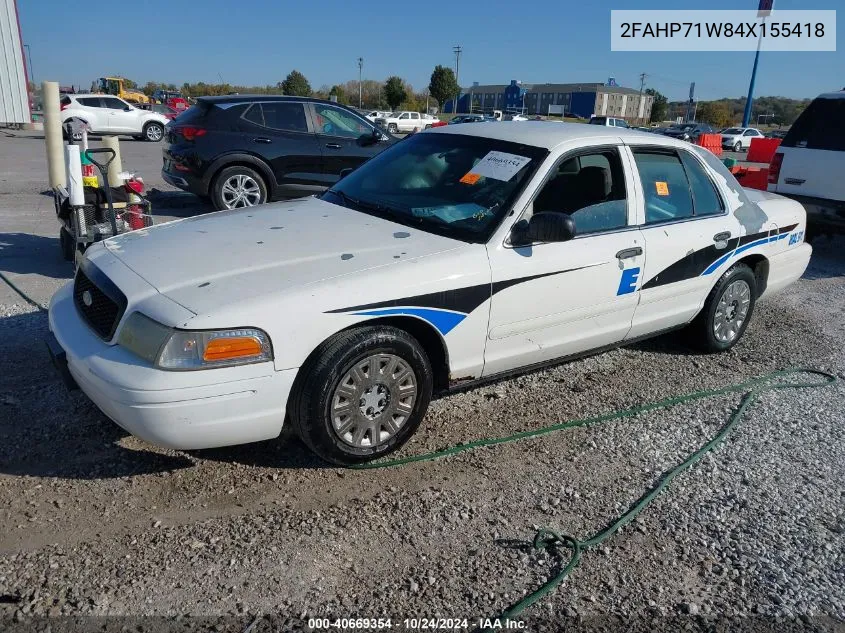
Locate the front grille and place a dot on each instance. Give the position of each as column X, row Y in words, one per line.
column 101, row 311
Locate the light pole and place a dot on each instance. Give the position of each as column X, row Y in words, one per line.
column 360, row 70
column 457, row 50
column 31, row 74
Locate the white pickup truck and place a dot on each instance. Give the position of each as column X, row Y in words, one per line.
column 405, row 121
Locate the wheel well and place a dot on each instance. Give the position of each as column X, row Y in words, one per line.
column 430, row 340
column 256, row 167
column 760, row 266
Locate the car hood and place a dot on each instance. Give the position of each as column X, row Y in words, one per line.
column 232, row 256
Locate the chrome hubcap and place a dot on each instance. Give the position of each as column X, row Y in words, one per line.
column 731, row 311
column 154, row 133
column 373, row 400
column 240, row 191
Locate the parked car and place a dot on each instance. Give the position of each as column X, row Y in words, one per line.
column 244, row 150
column 739, row 138
column 781, row 134
column 448, row 258
column 516, row 117
column 809, row 165
column 172, row 98
column 471, row 118
column 688, row 131
column 105, row 114
column 164, row 110
column 405, row 121
column 608, row 121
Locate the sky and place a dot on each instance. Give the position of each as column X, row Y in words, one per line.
column 251, row 42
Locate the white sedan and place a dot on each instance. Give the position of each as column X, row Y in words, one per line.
column 459, row 254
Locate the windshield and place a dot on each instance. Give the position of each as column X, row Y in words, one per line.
column 733, row 131
column 455, row 185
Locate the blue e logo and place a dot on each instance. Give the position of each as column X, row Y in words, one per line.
column 628, row 283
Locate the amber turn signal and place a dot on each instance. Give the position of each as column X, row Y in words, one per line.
column 225, row 348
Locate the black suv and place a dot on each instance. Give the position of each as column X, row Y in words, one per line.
column 243, row 150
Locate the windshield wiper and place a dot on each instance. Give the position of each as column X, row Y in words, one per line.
column 365, row 205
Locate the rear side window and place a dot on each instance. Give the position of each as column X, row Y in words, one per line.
column 706, row 199
column 254, row 114
column 289, row 117
column 667, row 191
column 820, row 126
column 90, row 102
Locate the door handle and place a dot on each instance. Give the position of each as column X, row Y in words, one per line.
column 262, row 139
column 722, row 237
column 333, row 145
column 628, row 253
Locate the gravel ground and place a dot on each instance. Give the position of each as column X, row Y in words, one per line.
column 97, row 523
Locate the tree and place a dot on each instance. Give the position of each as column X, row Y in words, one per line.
column 659, row 107
column 394, row 91
column 295, row 85
column 339, row 92
column 716, row 113
column 443, row 85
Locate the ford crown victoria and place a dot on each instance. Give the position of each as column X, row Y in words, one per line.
column 460, row 254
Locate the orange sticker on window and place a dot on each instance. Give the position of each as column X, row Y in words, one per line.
column 662, row 188
column 470, row 178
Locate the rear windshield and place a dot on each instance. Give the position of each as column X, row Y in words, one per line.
column 195, row 113
column 820, row 126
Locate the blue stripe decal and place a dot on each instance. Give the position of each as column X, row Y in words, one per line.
column 444, row 320
column 715, row 265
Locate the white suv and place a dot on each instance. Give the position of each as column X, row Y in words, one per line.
column 105, row 114
column 405, row 121
column 810, row 163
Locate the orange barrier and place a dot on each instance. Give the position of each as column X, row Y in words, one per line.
column 752, row 177
column 712, row 142
column 762, row 150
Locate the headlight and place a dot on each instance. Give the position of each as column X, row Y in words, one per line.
column 172, row 349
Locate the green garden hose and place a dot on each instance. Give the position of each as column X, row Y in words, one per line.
column 550, row 539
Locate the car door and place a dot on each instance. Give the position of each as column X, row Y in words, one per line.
column 122, row 117
column 688, row 233
column 279, row 133
column 553, row 300
column 93, row 113
column 339, row 134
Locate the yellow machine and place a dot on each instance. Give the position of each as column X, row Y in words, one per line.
column 115, row 86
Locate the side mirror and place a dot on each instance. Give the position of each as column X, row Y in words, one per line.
column 365, row 140
column 546, row 226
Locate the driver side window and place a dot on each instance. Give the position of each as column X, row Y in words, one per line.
column 590, row 188
column 336, row 122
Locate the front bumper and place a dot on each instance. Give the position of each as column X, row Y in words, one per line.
column 180, row 410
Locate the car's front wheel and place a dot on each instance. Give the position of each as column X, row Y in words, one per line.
column 236, row 187
column 363, row 395
column 392, row 128
column 726, row 311
column 153, row 132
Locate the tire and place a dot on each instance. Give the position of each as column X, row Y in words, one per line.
column 734, row 292
column 76, row 136
column 427, row 127
column 237, row 187
column 392, row 128
column 153, row 132
column 376, row 420
column 67, row 244
column 737, row 146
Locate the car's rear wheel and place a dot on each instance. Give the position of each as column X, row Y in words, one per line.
column 75, row 136
column 363, row 395
column 726, row 311
column 236, row 187
column 737, row 146
column 153, row 132
column 392, row 128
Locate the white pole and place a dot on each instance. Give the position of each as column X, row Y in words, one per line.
column 53, row 135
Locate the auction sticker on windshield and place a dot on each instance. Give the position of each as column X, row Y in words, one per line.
column 498, row 166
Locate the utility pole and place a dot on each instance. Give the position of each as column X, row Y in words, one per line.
column 360, row 71
column 640, row 102
column 457, row 50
